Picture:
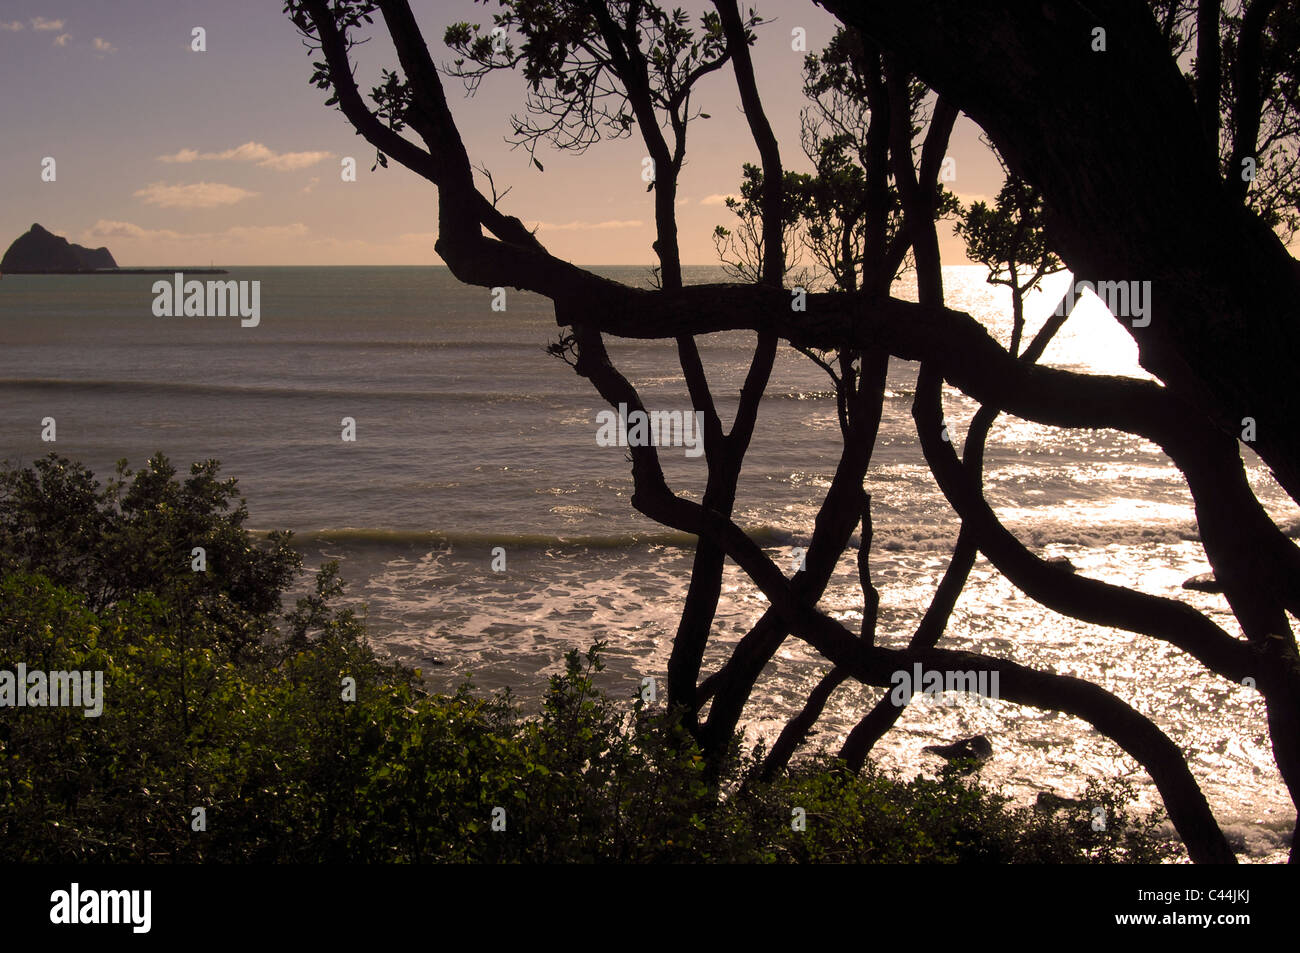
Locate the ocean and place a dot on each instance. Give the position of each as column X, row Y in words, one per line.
column 470, row 437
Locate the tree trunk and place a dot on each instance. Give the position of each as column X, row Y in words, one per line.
column 1114, row 142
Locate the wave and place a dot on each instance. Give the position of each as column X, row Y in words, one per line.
column 887, row 539
column 802, row 395
column 891, row 393
column 374, row 537
column 165, row 388
column 344, row 344
column 1037, row 535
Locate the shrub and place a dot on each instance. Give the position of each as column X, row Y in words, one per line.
column 299, row 744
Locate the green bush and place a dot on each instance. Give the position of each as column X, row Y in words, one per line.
column 299, row 744
column 138, row 536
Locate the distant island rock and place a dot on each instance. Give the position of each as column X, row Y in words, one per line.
column 41, row 252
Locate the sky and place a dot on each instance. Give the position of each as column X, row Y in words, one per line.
column 171, row 156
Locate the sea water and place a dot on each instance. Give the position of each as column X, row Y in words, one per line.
column 473, row 444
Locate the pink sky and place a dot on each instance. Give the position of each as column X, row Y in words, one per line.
column 171, row 157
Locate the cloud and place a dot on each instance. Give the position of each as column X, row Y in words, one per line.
column 248, row 152
column 311, row 185
column 41, row 24
column 589, row 226
column 264, row 233
column 106, row 229
column 198, row 195
column 252, row 152
column 62, row 39
column 717, row 199
column 289, row 161
column 101, row 45
column 185, row 155
column 13, row 26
